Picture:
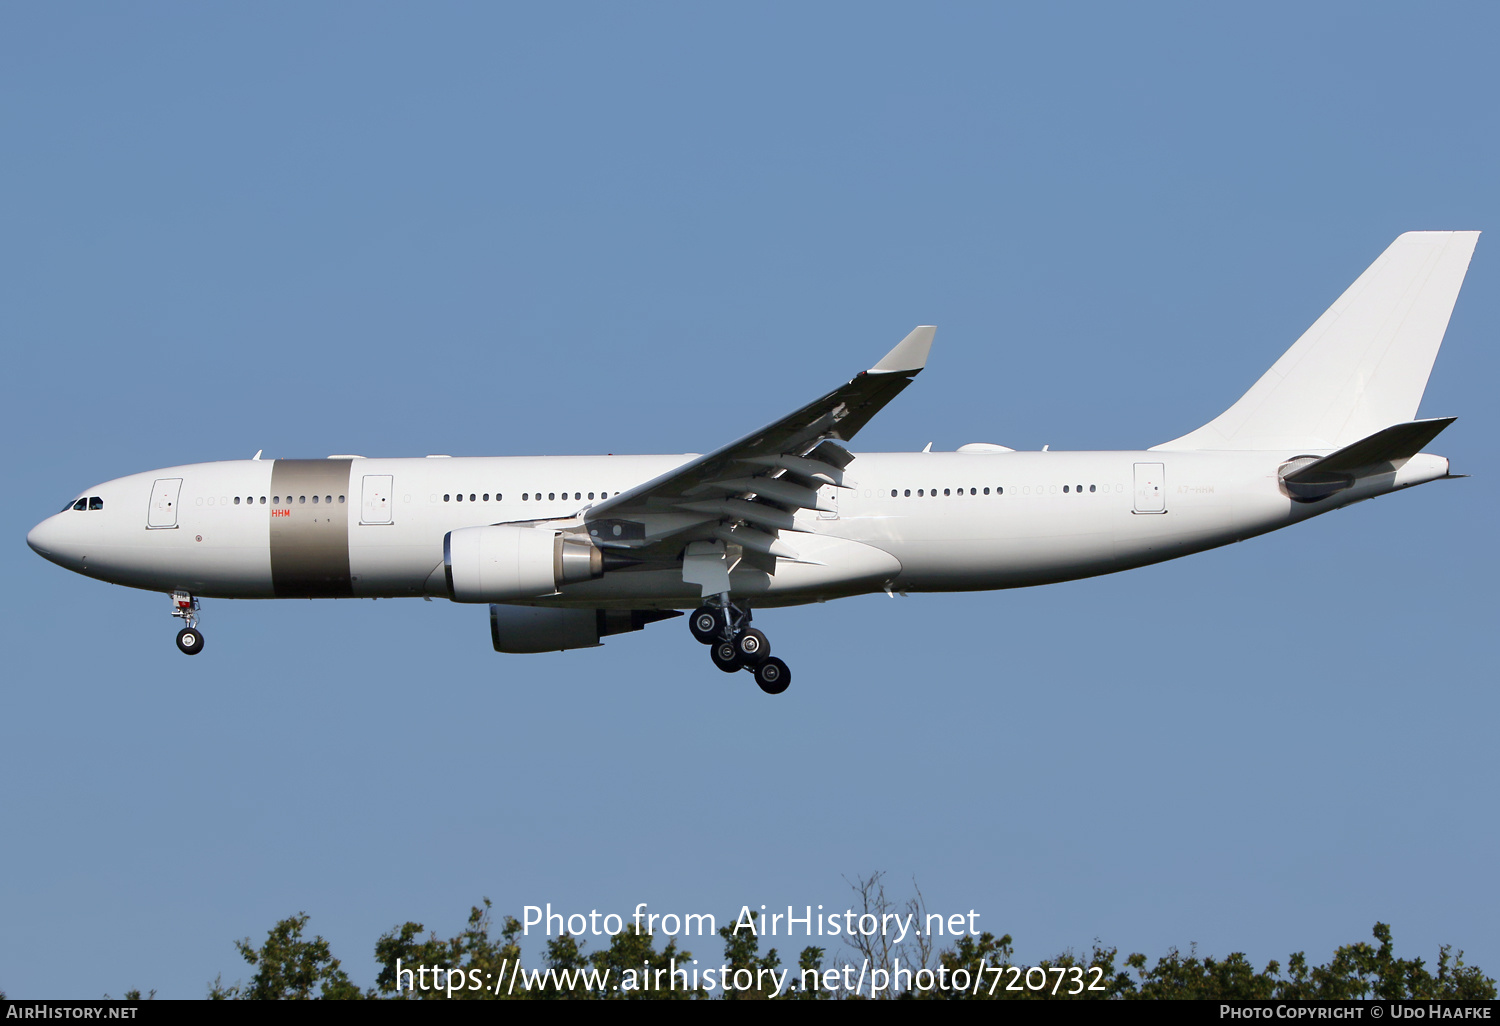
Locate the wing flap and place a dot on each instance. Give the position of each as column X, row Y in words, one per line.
column 758, row 513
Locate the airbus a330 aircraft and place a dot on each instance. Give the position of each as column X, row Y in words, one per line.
column 569, row 550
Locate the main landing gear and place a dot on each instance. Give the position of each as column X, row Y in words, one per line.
column 735, row 645
column 190, row 638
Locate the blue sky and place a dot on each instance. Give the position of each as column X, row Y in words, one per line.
column 495, row 230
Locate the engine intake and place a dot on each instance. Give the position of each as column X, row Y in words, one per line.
column 503, row 561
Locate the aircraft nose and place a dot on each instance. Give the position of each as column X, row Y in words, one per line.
column 37, row 537
column 48, row 539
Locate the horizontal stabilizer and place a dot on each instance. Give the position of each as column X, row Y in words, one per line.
column 1381, row 452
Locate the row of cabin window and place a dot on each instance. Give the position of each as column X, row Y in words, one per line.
column 525, row 496
column 92, row 502
column 921, row 492
column 276, row 500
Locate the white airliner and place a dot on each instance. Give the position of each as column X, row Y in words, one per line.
column 568, row 550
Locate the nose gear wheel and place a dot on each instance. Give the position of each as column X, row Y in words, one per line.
column 190, row 641
column 185, row 608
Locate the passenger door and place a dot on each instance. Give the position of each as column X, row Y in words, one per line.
column 163, row 510
column 376, row 503
column 1150, row 488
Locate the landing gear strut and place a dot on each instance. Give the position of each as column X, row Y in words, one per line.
column 735, row 645
column 190, row 638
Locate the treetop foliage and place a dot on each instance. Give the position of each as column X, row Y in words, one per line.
column 289, row 966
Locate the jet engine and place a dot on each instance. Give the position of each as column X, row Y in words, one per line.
column 533, row 629
column 503, row 561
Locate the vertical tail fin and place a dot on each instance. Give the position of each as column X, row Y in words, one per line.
column 1363, row 365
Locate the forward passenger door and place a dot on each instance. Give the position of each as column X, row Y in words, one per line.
column 163, row 510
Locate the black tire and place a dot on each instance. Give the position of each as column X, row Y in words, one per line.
column 727, row 657
column 190, row 640
column 707, row 624
column 773, row 676
column 754, row 647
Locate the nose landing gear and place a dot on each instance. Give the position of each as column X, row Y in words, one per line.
column 190, row 638
column 735, row 645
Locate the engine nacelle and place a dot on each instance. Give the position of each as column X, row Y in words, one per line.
column 533, row 629
column 503, row 561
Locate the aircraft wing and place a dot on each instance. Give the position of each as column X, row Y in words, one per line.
column 753, row 486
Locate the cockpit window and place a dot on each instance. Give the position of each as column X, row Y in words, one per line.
column 95, row 502
column 81, row 504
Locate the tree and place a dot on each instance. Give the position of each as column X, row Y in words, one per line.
column 288, row 968
column 806, row 985
column 472, row 951
column 630, row 967
column 915, row 950
column 490, row 968
column 742, row 952
column 640, row 969
column 1355, row 971
column 1359, row 970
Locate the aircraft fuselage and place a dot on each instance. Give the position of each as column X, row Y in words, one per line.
column 960, row 521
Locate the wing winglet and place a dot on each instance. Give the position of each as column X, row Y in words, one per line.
column 910, row 354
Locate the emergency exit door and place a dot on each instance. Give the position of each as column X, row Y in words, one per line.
column 828, row 496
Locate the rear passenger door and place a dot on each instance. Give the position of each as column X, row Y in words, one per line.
column 1150, row 488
